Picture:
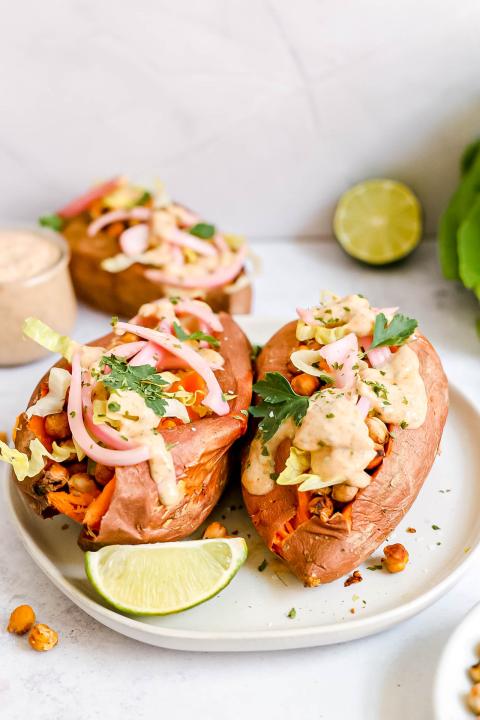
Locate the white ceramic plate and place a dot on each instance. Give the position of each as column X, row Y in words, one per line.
column 452, row 682
column 251, row 614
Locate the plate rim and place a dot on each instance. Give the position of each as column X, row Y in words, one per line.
column 443, row 660
column 270, row 639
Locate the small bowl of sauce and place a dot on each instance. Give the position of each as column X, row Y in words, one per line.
column 34, row 281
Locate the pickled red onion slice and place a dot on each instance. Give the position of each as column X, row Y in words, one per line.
column 214, row 399
column 179, row 237
column 341, row 355
column 94, row 451
column 136, row 213
column 81, row 203
column 363, row 406
column 134, row 240
column 219, row 277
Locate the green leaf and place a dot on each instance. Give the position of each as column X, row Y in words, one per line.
column 203, row 230
column 469, row 156
column 142, row 379
column 198, row 335
column 144, row 198
column 279, row 402
column 54, row 222
column 469, row 247
column 396, row 332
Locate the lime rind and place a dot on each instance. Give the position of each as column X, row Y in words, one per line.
column 164, row 578
column 378, row 221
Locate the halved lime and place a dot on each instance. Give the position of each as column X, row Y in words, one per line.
column 378, row 221
column 164, row 578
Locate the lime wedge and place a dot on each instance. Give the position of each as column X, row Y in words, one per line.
column 164, row 578
column 378, row 221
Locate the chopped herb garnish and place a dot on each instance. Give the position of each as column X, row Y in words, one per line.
column 404, row 424
column 72, row 413
column 144, row 198
column 379, row 389
column 396, row 332
column 114, row 320
column 203, row 230
column 262, row 565
column 329, row 416
column 435, row 527
column 198, row 335
column 346, row 308
column 292, row 614
column 255, row 352
column 113, row 407
column 274, row 476
column 142, row 379
column 54, row 222
column 279, row 402
column 265, row 451
column 375, row 567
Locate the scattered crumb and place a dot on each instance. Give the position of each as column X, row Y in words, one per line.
column 355, row 577
column 234, row 532
column 262, row 565
column 411, row 530
column 292, row 613
column 466, row 550
column 375, row 567
column 352, row 610
column 4, row 437
column 435, row 527
column 355, row 597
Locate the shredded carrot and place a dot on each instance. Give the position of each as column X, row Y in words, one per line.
column 115, row 229
column 169, row 423
column 303, row 513
column 97, row 509
column 37, row 426
column 74, row 504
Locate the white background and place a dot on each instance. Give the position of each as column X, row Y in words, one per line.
column 258, row 114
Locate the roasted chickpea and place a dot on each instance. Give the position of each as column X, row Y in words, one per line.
column 474, row 672
column 377, row 430
column 128, row 337
column 290, row 366
column 344, row 493
column 115, row 229
column 473, row 699
column 56, row 476
column 21, row 620
column 215, row 530
column 57, row 426
column 396, row 557
column 82, row 483
column 42, row 638
column 322, row 506
column 305, row 384
column 78, row 467
column 103, row 474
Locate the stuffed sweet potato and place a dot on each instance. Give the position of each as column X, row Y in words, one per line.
column 353, row 404
column 132, row 436
column 129, row 247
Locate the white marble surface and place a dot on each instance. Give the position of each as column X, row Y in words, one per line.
column 94, row 673
column 240, row 106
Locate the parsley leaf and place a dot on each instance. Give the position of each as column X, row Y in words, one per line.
column 203, row 230
column 198, row 335
column 279, row 402
column 142, row 379
column 54, row 222
column 396, row 332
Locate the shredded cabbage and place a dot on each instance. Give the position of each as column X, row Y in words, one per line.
column 297, row 463
column 53, row 402
column 24, row 466
column 295, row 472
column 50, row 339
column 324, row 335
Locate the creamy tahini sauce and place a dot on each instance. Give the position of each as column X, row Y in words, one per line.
column 353, row 312
column 260, row 464
column 396, row 390
column 24, row 254
column 138, row 422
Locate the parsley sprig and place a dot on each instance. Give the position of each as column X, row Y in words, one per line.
column 396, row 332
column 142, row 379
column 203, row 230
column 198, row 335
column 279, row 402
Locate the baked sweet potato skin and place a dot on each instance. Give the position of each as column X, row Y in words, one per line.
column 317, row 552
column 123, row 293
column 201, row 453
